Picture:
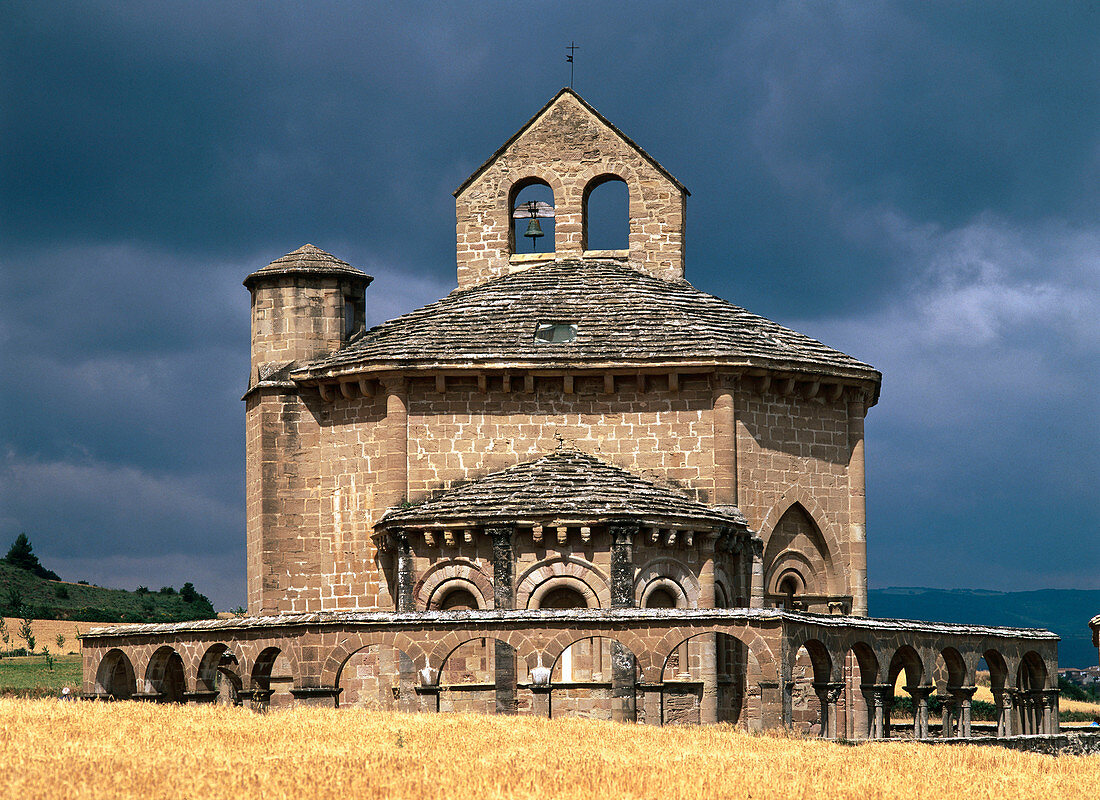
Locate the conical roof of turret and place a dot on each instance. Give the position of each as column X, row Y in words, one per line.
column 308, row 259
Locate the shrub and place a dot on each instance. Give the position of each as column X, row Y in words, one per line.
column 61, row 593
column 60, row 641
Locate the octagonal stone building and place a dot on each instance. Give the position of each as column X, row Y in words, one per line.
column 575, row 485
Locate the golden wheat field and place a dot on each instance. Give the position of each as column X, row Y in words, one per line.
column 130, row 750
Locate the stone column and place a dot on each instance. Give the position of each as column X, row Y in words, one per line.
column 920, row 696
column 624, row 701
column 651, row 702
column 504, row 598
column 857, row 506
column 622, row 564
column 964, row 697
column 829, row 696
column 404, row 572
column 1051, row 721
column 880, row 698
column 1002, row 698
column 950, row 715
column 725, row 441
column 393, row 483
column 756, row 590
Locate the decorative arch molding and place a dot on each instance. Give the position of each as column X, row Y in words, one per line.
column 563, row 582
column 668, row 569
column 435, row 579
column 826, row 527
column 786, row 562
column 564, row 567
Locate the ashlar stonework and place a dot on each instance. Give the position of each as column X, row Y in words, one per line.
column 653, row 513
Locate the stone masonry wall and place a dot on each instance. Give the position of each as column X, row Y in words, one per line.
column 320, row 473
column 574, row 151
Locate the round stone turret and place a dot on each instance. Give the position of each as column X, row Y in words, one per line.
column 305, row 305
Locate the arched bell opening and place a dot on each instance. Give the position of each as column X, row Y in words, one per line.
column 378, row 677
column 606, row 214
column 602, row 682
column 531, row 204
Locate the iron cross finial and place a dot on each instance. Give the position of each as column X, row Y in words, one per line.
column 572, row 48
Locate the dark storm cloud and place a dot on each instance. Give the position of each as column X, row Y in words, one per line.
column 914, row 183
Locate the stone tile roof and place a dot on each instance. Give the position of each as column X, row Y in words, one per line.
column 566, row 485
column 623, row 318
column 307, row 259
column 383, row 620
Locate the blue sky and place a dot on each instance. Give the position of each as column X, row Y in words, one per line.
column 916, row 184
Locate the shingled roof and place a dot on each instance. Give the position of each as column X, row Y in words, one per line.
column 308, row 259
column 566, row 485
column 623, row 317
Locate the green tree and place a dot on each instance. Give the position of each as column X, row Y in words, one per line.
column 21, row 555
column 27, row 633
column 60, row 640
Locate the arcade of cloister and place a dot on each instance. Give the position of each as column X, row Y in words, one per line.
column 832, row 676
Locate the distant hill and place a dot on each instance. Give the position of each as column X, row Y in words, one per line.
column 1065, row 611
column 23, row 592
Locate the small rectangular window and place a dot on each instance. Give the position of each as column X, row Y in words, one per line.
column 556, row 332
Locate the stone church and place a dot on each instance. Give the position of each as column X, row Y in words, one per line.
column 576, row 485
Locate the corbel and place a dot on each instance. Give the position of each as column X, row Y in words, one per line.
column 563, row 534
column 608, row 383
column 689, row 537
column 507, row 382
column 346, row 390
column 366, row 388
column 529, row 383
column 326, row 393
column 764, row 384
column 812, row 389
column 674, row 381
column 536, row 534
column 836, row 393
column 468, row 535
column 670, row 539
column 586, row 534
column 654, row 534
column 640, row 378
column 787, row 387
column 567, row 383
column 482, row 383
column 441, row 384
column 429, row 538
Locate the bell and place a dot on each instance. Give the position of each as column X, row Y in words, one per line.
column 534, row 231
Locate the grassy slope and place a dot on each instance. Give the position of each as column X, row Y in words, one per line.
column 93, row 603
column 143, row 750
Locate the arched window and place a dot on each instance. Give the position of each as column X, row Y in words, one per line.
column 459, row 600
column 532, row 194
column 606, row 214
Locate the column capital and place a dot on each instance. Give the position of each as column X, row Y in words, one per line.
column 963, row 693
column 623, row 532
column 921, row 693
column 830, row 691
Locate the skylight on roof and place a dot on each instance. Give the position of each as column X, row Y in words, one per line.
column 556, row 332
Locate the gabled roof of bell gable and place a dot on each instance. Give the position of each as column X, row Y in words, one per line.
column 566, row 485
column 568, row 92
